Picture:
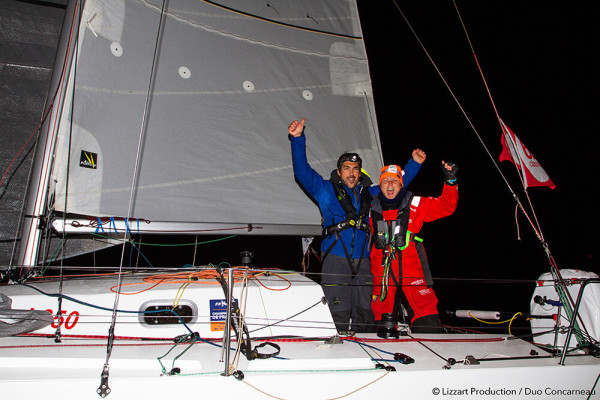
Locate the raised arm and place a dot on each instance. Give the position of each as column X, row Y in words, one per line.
column 450, row 169
column 419, row 156
column 413, row 166
column 312, row 182
column 296, row 128
column 439, row 207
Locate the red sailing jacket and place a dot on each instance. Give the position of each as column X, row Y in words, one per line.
column 422, row 209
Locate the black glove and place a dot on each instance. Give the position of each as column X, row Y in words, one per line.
column 450, row 174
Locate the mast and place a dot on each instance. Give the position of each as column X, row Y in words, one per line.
column 34, row 215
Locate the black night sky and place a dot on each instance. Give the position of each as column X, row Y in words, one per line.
column 539, row 59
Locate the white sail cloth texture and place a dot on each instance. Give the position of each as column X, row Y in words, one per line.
column 211, row 143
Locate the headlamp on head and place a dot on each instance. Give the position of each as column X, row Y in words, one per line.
column 352, row 157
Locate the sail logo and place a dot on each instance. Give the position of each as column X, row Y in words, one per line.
column 88, row 159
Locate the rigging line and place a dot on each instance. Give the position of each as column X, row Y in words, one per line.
column 502, row 126
column 142, row 135
column 195, row 250
column 361, row 387
column 272, row 21
column 47, row 240
column 23, row 201
column 331, row 398
column 191, row 269
column 111, row 332
column 264, row 307
column 51, row 108
column 517, row 200
column 139, row 252
column 103, row 389
column 592, row 391
column 421, row 341
column 493, row 322
column 77, row 15
column 195, row 244
column 47, row 108
column 262, row 391
column 84, row 303
column 241, row 322
column 379, row 358
column 361, row 344
column 164, row 371
column 288, row 318
column 255, row 277
column 62, row 244
column 489, row 280
column 137, row 256
column 537, row 228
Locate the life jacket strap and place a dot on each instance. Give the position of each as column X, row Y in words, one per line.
column 356, row 223
column 410, row 237
column 353, row 270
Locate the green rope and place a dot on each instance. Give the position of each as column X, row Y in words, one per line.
column 164, row 371
column 385, row 276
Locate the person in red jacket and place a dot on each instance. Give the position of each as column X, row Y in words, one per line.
column 398, row 258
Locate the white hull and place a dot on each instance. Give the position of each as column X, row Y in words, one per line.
column 73, row 371
column 306, row 368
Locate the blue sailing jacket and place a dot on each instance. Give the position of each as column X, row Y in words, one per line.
column 331, row 210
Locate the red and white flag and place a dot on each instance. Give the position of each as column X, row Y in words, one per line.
column 515, row 151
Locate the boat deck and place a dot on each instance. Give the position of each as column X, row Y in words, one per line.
column 496, row 366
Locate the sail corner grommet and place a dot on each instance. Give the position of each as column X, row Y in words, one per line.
column 307, row 95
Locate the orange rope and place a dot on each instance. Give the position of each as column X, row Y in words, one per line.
column 113, row 289
column 180, row 277
column 268, row 288
column 205, row 277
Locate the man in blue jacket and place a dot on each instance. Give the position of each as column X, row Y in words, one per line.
column 344, row 201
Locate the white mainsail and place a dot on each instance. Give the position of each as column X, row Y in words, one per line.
column 201, row 125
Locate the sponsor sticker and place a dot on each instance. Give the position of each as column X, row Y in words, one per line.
column 88, row 159
column 218, row 313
